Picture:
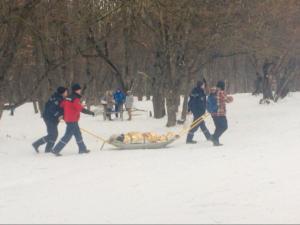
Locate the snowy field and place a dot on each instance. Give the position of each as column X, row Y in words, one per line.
column 253, row 178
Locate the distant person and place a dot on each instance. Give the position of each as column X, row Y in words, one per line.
column 72, row 109
column 197, row 105
column 52, row 115
column 258, row 85
column 129, row 104
column 119, row 98
column 218, row 111
column 108, row 104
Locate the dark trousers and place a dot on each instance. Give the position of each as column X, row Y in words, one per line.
column 202, row 127
column 50, row 138
column 221, row 126
column 118, row 108
column 108, row 114
column 72, row 130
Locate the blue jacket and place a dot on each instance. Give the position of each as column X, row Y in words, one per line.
column 119, row 97
column 197, row 102
column 52, row 110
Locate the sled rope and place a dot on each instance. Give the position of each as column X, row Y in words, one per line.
column 95, row 136
column 194, row 124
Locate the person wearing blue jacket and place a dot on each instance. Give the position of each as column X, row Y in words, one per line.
column 197, row 105
column 119, row 98
column 51, row 115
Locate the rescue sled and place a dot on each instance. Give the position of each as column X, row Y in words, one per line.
column 148, row 140
column 140, row 140
column 131, row 146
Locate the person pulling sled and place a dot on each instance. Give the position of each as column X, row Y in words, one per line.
column 216, row 106
column 52, row 115
column 72, row 109
column 197, row 105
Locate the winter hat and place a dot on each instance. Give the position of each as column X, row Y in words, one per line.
column 76, row 87
column 200, row 83
column 61, row 90
column 221, row 85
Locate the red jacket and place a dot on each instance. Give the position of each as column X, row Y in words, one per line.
column 72, row 108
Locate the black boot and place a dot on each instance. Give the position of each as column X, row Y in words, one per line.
column 36, row 147
column 84, row 151
column 38, row 143
column 191, row 142
column 208, row 136
column 56, row 153
column 215, row 141
column 49, row 146
column 189, row 139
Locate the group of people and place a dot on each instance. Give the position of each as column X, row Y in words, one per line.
column 66, row 106
column 113, row 103
column 213, row 100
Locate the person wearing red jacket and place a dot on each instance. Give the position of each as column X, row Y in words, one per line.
column 72, row 109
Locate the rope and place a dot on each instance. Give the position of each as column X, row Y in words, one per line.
column 95, row 136
column 194, row 124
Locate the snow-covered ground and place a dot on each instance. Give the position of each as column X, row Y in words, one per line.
column 253, row 178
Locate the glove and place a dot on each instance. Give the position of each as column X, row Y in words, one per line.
column 88, row 112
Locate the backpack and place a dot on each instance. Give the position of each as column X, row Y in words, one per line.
column 212, row 104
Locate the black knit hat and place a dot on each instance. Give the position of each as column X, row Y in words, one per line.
column 61, row 90
column 200, row 83
column 76, row 87
column 221, row 85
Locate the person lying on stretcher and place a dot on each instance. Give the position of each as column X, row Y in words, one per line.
column 140, row 138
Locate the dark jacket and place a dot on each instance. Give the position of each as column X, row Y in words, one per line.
column 52, row 110
column 197, row 102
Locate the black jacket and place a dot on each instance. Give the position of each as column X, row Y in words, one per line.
column 52, row 110
column 197, row 102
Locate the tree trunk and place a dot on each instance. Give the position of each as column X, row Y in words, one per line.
column 1, row 107
column 158, row 106
column 35, row 107
column 41, row 103
column 184, row 108
column 171, row 108
column 12, row 109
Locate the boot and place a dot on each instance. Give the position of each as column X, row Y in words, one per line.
column 208, row 136
column 38, row 143
column 189, row 139
column 191, row 142
column 86, row 151
column 215, row 141
column 36, row 147
column 56, row 153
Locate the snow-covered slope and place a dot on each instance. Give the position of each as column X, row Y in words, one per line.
column 253, row 178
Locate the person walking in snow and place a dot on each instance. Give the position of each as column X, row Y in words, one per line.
column 219, row 113
column 119, row 98
column 51, row 115
column 197, row 105
column 72, row 109
column 108, row 104
column 129, row 104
